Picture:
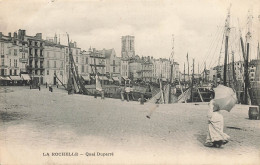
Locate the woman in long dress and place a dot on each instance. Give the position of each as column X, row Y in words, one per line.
column 215, row 137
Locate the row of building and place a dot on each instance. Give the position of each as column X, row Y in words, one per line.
column 25, row 57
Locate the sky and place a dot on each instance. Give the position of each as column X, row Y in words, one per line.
column 197, row 25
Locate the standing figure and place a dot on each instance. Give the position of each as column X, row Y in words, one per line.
column 215, row 136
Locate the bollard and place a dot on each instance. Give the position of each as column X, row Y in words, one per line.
column 253, row 113
column 142, row 99
column 127, row 96
column 102, row 95
column 122, row 96
column 95, row 94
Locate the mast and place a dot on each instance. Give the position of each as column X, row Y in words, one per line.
column 188, row 66
column 171, row 71
column 227, row 31
column 248, row 40
column 257, row 78
column 204, row 73
column 192, row 79
column 233, row 71
column 198, row 73
column 70, row 86
column 184, row 77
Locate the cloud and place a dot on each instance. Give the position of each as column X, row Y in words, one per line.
column 101, row 24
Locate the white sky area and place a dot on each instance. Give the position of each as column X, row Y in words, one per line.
column 197, row 25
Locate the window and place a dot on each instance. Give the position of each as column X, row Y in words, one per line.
column 47, row 72
column 67, row 58
column 114, row 63
column 54, row 64
column 82, row 68
column 23, row 55
column 48, row 64
column 2, row 48
column 77, row 52
column 10, row 52
column 86, row 60
column 61, row 65
column 15, row 63
column 15, row 52
column 61, row 73
column 67, row 68
column 15, row 72
column 3, row 61
column 66, row 50
column 48, row 54
column 114, row 69
column 5, row 72
column 10, row 62
column 54, row 54
column 77, row 59
column 10, row 71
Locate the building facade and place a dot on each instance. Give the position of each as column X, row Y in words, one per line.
column 147, row 69
column 54, row 63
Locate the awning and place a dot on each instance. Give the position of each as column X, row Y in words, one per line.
column 25, row 77
column 5, row 78
column 115, row 78
column 164, row 79
column 16, row 78
column 126, row 78
column 110, row 79
column 86, row 78
column 103, row 78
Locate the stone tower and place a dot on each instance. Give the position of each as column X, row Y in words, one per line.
column 128, row 47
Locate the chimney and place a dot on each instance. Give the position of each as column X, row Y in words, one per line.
column 39, row 36
column 15, row 35
column 1, row 34
column 10, row 34
column 23, row 33
column 19, row 34
column 75, row 44
column 55, row 39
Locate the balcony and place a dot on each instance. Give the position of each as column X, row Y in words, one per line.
column 97, row 56
column 97, row 65
column 23, row 60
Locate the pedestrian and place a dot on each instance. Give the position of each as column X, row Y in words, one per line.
column 39, row 86
column 46, row 84
column 122, row 94
column 215, row 136
column 50, row 88
column 127, row 90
